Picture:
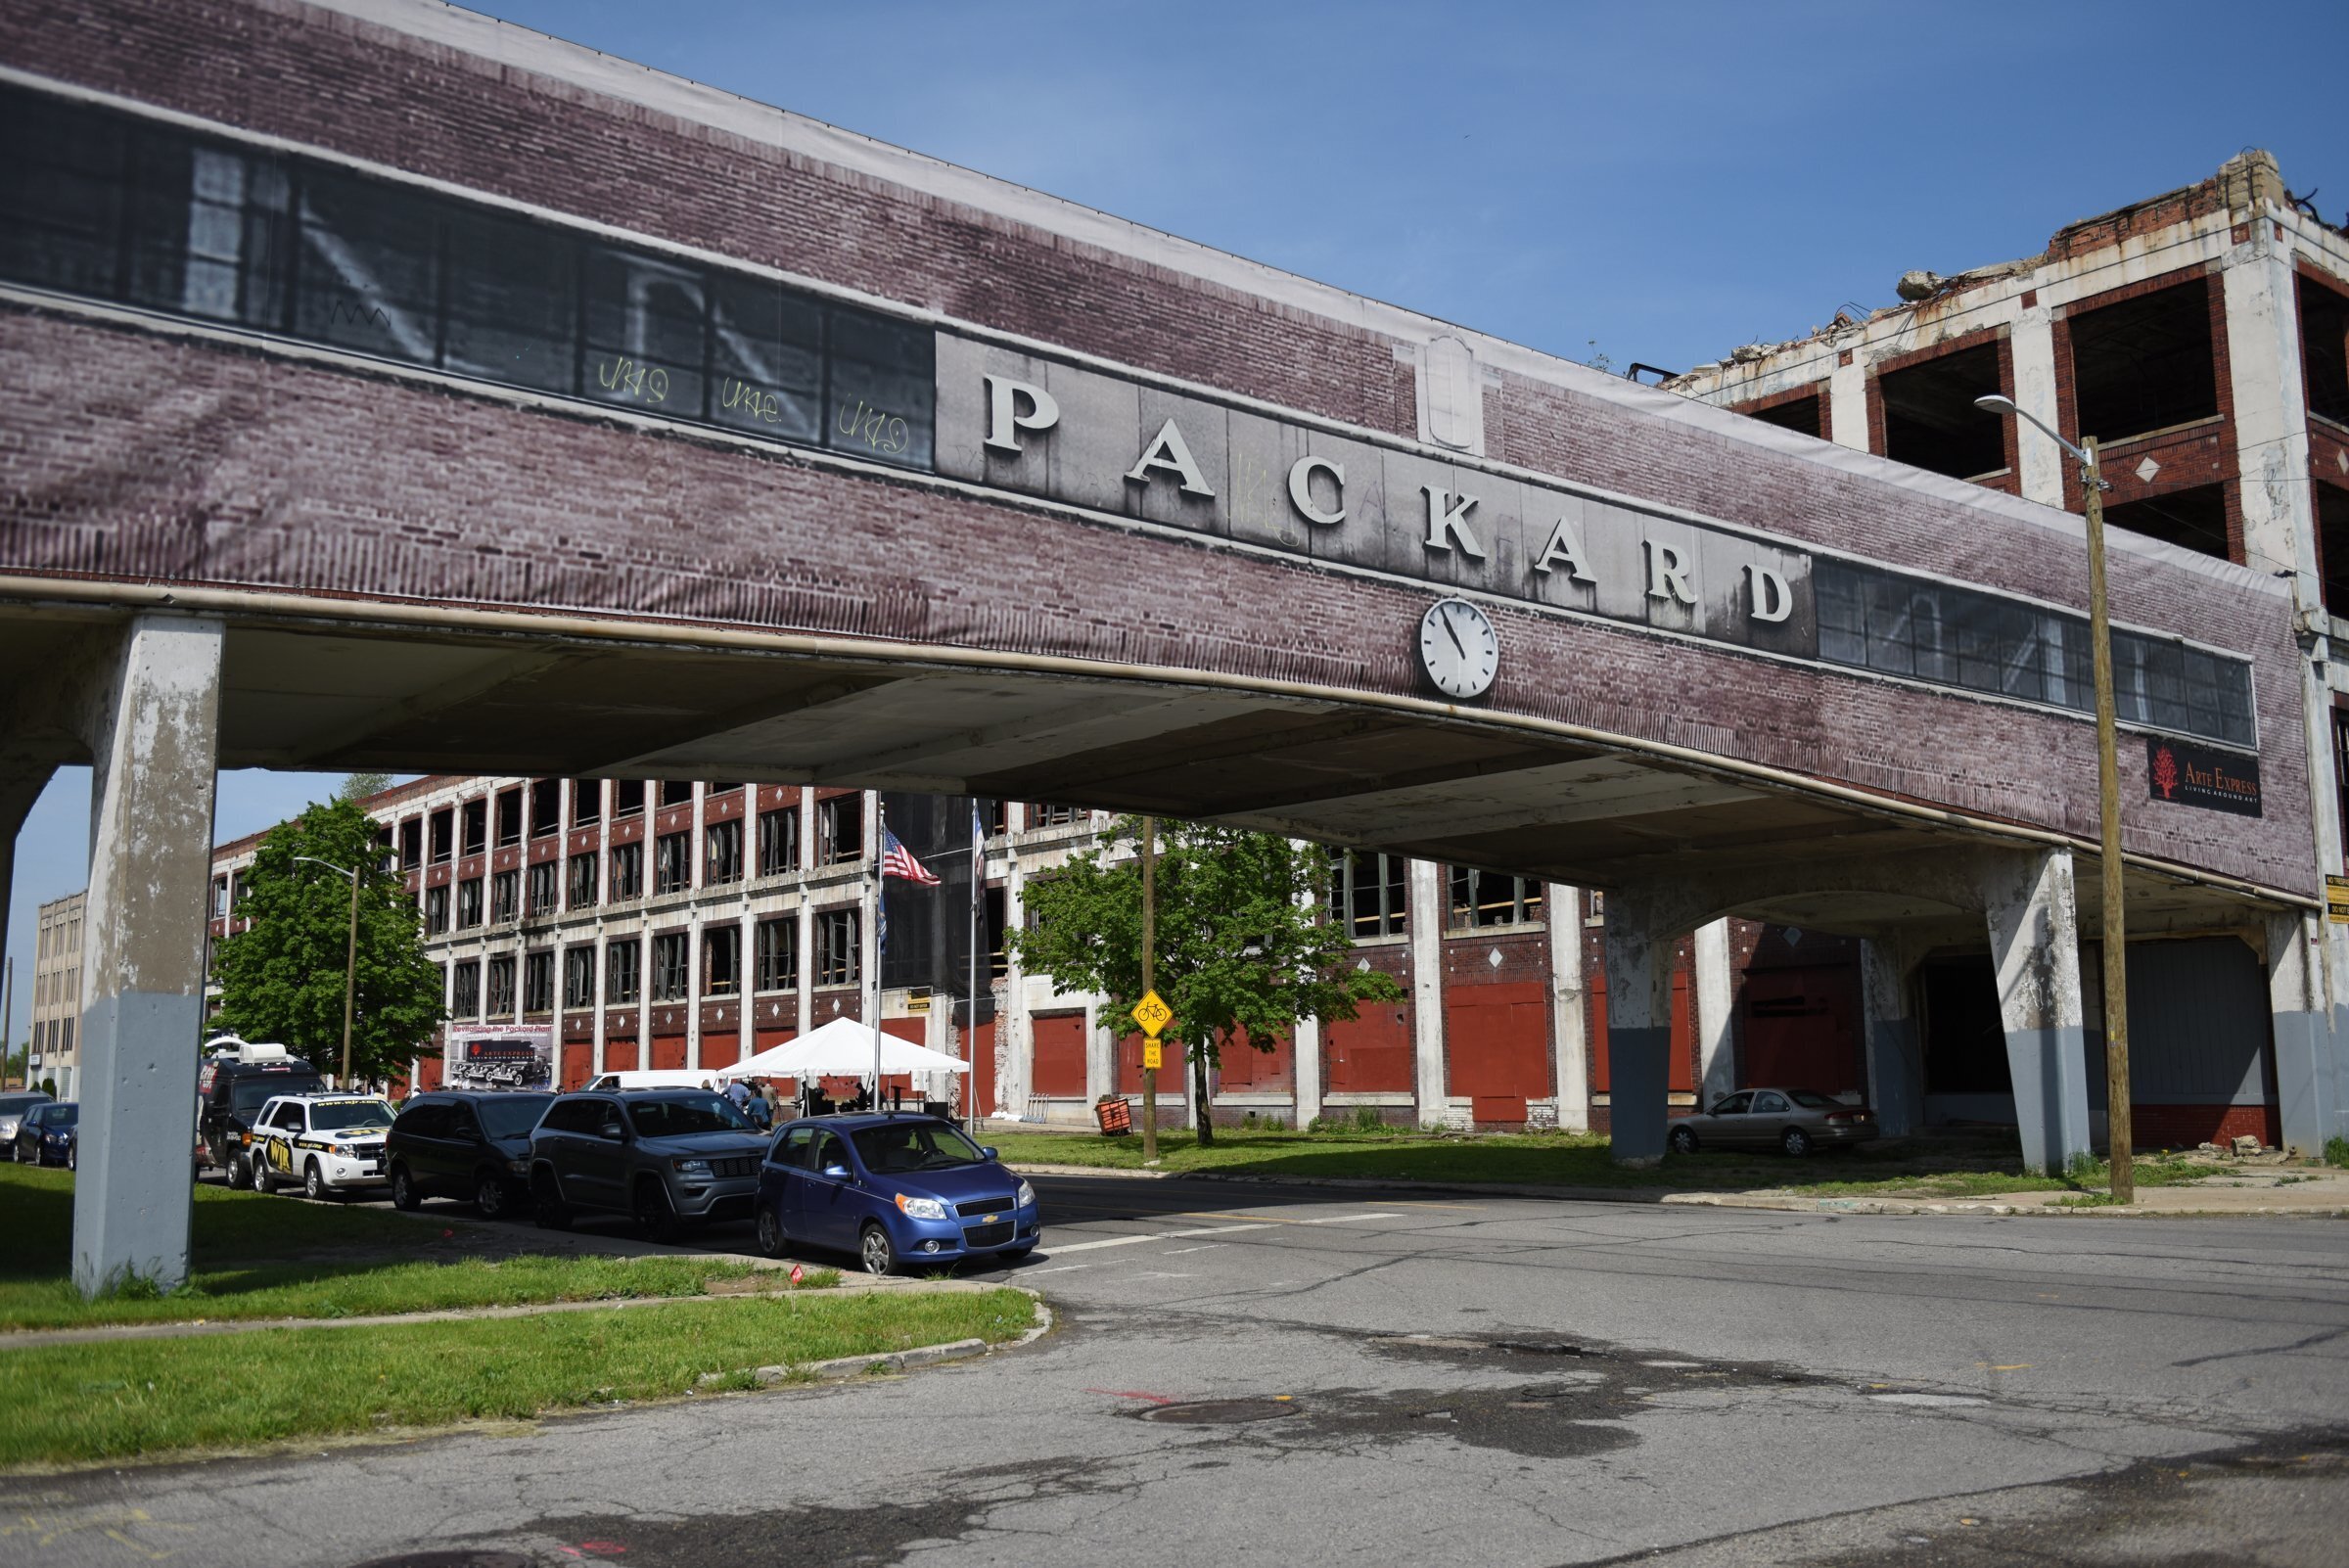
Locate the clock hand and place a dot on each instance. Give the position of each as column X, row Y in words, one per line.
column 1448, row 631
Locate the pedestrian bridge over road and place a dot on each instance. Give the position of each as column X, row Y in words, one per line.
column 447, row 399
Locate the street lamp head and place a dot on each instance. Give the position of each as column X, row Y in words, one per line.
column 1996, row 404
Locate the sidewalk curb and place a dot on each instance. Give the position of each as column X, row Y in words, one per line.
column 841, row 1369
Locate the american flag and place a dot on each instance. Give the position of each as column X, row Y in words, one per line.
column 897, row 860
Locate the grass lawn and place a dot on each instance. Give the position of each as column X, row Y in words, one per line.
column 115, row 1400
column 256, row 1257
column 1930, row 1167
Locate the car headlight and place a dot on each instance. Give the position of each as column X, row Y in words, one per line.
column 697, row 1169
column 1025, row 1196
column 921, row 1208
column 519, row 1167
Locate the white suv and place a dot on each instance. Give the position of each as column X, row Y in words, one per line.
column 330, row 1143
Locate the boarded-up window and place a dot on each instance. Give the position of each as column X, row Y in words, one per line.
column 1369, row 1053
column 1497, row 1043
column 1682, row 1074
column 1059, row 1069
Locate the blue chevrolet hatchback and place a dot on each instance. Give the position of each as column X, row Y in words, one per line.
column 893, row 1189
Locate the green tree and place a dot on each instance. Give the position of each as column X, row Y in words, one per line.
column 1242, row 953
column 358, row 786
column 281, row 978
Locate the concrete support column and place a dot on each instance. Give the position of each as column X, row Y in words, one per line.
column 694, row 917
column 1639, row 1030
column 1847, row 405
column 1425, row 922
column 600, row 978
column 1100, row 1052
column 1716, row 987
column 2306, row 1066
column 644, row 989
column 1568, row 1023
column 1896, row 1052
column 2035, row 947
column 1015, row 1036
column 1304, row 1051
column 153, row 740
column 746, row 962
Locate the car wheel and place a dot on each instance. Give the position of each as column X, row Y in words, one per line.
column 404, row 1191
column 879, row 1254
column 240, row 1174
column 264, row 1180
column 313, row 1182
column 73, row 1158
column 553, row 1214
column 771, row 1239
column 490, row 1199
column 1796, row 1142
column 656, row 1221
column 1682, row 1140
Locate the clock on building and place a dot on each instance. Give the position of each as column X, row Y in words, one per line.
column 1458, row 648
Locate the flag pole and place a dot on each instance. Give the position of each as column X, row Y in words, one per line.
column 872, row 871
column 970, row 1021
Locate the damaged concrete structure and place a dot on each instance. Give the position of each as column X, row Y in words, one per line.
column 726, row 446
column 2201, row 336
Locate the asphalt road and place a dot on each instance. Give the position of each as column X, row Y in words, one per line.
column 1424, row 1378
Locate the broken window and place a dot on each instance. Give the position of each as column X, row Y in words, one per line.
column 476, row 826
column 583, row 880
column 445, row 835
column 672, row 865
column 2333, row 545
column 411, row 844
column 542, row 888
column 622, row 962
column 779, row 953
column 579, row 977
column 676, row 792
column 838, row 939
column 2195, row 518
column 469, row 903
column 778, row 842
column 998, row 951
column 628, row 870
column 539, row 982
column 1493, row 899
column 669, row 967
column 2324, row 350
column 586, row 800
column 628, row 797
column 435, row 910
column 721, row 960
column 1041, row 814
column 2145, row 364
column 840, row 829
column 722, row 850
column 547, row 806
column 509, row 817
column 465, row 999
column 1930, row 420
column 1369, row 893
column 503, row 889
column 1808, row 415
column 502, row 987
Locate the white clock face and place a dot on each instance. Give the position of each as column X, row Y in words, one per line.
column 1458, row 648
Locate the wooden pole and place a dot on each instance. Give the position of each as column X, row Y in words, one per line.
column 2119, row 1133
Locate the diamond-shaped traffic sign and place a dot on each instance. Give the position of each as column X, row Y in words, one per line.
column 1153, row 1014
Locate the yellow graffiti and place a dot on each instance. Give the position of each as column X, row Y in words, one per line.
column 116, row 1526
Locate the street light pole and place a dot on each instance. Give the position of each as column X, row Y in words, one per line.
column 350, row 957
column 2119, row 1133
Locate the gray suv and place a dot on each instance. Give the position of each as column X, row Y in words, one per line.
column 671, row 1159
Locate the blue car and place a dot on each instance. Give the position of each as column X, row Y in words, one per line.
column 893, row 1189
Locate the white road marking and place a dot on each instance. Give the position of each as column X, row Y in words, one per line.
column 1062, row 1269
column 1218, row 1230
column 1347, row 1219
column 1207, row 1247
column 1109, row 1241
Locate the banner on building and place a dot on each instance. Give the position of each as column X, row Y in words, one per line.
column 2197, row 775
column 516, row 1057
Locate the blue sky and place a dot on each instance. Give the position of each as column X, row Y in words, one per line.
column 1653, row 182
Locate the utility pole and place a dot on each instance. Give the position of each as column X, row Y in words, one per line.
column 350, row 980
column 2119, row 1133
column 1149, row 982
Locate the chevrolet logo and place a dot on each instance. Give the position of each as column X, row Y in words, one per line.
column 989, row 1221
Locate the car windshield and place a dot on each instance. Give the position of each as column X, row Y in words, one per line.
column 1813, row 1099
column 900, row 1146
column 62, row 1116
column 343, row 1116
column 511, row 1116
column 687, row 1114
column 254, row 1092
column 17, row 1104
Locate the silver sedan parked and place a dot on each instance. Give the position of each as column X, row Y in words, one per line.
column 1793, row 1120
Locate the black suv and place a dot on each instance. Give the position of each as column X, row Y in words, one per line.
column 233, row 1094
column 455, row 1143
column 669, row 1158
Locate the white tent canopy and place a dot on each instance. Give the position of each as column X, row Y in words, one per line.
column 842, row 1048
